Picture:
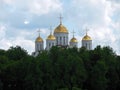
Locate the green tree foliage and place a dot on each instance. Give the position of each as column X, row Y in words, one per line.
column 60, row 69
column 1, row 85
column 2, row 52
column 98, row 79
column 16, row 53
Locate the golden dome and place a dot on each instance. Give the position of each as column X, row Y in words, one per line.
column 39, row 39
column 86, row 37
column 60, row 29
column 51, row 37
column 73, row 40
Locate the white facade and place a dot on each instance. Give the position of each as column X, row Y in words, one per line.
column 39, row 46
column 87, row 44
column 73, row 44
column 61, row 39
column 50, row 43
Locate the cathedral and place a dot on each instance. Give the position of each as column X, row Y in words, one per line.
column 60, row 38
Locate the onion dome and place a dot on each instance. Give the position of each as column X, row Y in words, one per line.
column 51, row 37
column 86, row 38
column 73, row 40
column 39, row 39
column 60, row 29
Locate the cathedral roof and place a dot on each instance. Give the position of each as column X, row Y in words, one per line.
column 39, row 39
column 86, row 38
column 51, row 37
column 60, row 29
column 73, row 40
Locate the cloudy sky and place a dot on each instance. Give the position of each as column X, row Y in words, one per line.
column 20, row 20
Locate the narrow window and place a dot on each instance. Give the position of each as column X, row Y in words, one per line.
column 64, row 41
column 49, row 44
column 86, row 45
column 57, row 40
column 60, row 40
column 89, row 46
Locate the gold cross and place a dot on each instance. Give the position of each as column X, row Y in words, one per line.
column 73, row 33
column 60, row 19
column 86, row 30
column 51, row 30
column 39, row 32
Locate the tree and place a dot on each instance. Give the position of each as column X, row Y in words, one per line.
column 2, row 52
column 118, row 71
column 60, row 69
column 98, row 79
column 16, row 53
column 1, row 85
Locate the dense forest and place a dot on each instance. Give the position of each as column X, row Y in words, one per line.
column 60, row 69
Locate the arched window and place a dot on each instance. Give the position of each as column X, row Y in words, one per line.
column 52, row 44
column 37, row 47
column 60, row 40
column 86, row 45
column 41, row 46
column 49, row 44
column 64, row 40
column 89, row 46
column 57, row 40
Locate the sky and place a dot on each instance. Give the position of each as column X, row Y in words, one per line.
column 21, row 19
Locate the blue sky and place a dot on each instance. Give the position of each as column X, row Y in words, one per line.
column 20, row 19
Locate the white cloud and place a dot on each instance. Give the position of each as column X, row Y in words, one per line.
column 23, row 38
column 22, row 17
column 98, row 15
column 26, row 44
column 38, row 7
column 26, row 22
column 4, row 41
column 2, row 31
column 20, row 27
column 10, row 2
column 44, row 6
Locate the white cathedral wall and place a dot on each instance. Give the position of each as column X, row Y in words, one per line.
column 50, row 43
column 73, row 44
column 61, row 39
column 87, row 44
column 39, row 46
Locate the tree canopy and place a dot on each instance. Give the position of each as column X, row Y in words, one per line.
column 60, row 69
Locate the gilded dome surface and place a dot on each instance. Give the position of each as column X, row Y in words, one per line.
column 51, row 37
column 39, row 39
column 73, row 40
column 60, row 29
column 86, row 37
